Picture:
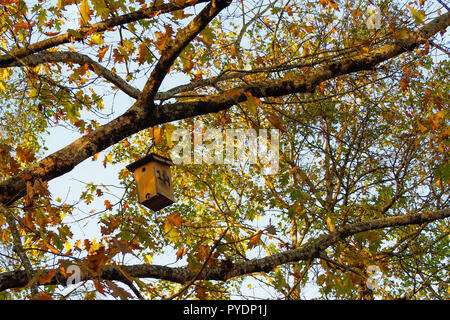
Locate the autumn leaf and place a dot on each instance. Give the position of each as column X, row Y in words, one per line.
column 254, row 239
column 143, row 53
column 118, row 56
column 96, row 261
column 52, row 248
column 180, row 253
column 99, row 287
column 276, row 121
column 85, row 12
column 200, row 292
column 202, row 252
column 271, row 230
column 44, row 296
column 174, row 219
column 322, row 87
column 101, row 52
column 117, row 291
column 25, row 154
column 108, row 205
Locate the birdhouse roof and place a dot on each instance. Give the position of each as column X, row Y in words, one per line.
column 149, row 158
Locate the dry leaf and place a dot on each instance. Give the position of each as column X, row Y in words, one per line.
column 174, row 219
column 47, row 277
column 254, row 239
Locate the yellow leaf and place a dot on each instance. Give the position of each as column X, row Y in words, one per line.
column 67, row 246
column 85, row 12
column 148, row 258
column 97, row 38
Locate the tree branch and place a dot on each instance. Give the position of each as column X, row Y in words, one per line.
column 18, row 279
column 18, row 247
column 81, row 59
column 176, row 46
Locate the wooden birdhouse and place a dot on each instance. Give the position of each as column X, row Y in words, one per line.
column 153, row 179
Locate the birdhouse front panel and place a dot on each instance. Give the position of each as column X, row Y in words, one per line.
column 153, row 179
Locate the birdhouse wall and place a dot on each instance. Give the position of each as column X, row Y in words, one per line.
column 154, row 183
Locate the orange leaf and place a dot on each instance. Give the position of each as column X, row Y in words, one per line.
column 254, row 239
column 43, row 296
column 143, row 53
column 52, row 248
column 202, row 253
column 108, row 205
column 51, row 34
column 102, row 52
column 180, row 253
column 100, row 288
column 118, row 57
column 24, row 154
column 322, row 87
column 174, row 219
column 47, row 277
column 96, row 261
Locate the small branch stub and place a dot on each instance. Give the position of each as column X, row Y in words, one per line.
column 154, row 181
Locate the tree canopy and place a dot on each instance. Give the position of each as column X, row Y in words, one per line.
column 356, row 92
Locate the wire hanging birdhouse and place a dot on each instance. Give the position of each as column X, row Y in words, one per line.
column 154, row 182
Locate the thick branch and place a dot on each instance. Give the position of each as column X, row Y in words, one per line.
column 81, row 59
column 18, row 279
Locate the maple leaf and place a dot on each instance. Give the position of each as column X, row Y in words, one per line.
column 85, row 12
column 254, row 239
column 174, row 219
column 180, row 253
column 25, row 154
column 102, row 52
column 47, row 277
column 118, row 56
column 143, row 53
column 99, row 192
column 96, row 261
column 108, row 205
column 117, row 291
